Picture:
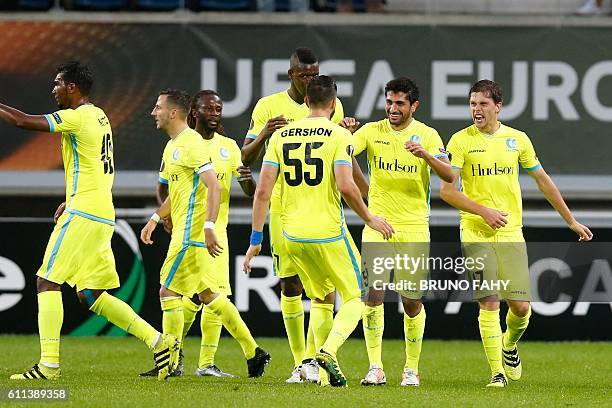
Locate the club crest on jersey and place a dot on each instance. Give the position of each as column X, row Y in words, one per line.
column 175, row 154
column 224, row 153
column 415, row 139
column 511, row 143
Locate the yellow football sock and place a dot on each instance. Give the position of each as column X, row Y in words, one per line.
column 123, row 316
column 321, row 321
column 310, row 351
column 516, row 326
column 234, row 324
column 293, row 318
column 373, row 327
column 491, row 335
column 211, row 326
column 344, row 323
column 50, row 319
column 414, row 327
column 190, row 310
column 172, row 318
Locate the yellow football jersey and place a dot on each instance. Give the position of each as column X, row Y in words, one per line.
column 489, row 171
column 225, row 157
column 278, row 104
column 399, row 181
column 185, row 158
column 305, row 152
column 87, row 153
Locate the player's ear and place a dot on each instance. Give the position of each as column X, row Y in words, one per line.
column 498, row 107
column 306, row 100
column 414, row 106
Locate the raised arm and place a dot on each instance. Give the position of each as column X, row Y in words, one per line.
column 554, row 197
column 441, row 165
column 252, row 147
column 22, row 120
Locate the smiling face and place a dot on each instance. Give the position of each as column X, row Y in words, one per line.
column 61, row 91
column 301, row 74
column 399, row 109
column 484, row 111
column 208, row 110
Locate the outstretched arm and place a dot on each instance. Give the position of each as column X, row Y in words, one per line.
column 552, row 194
column 22, row 120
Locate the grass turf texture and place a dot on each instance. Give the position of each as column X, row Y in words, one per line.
column 102, row 371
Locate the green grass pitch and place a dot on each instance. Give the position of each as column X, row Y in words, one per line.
column 101, row 371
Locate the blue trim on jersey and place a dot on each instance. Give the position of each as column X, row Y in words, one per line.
column 89, row 297
column 313, row 240
column 175, row 265
column 91, row 217
column 534, row 168
column 343, row 163
column 190, row 208
column 57, row 245
column 195, row 243
column 355, row 264
column 251, row 136
column 163, row 180
column 75, row 170
column 51, row 125
column 270, row 163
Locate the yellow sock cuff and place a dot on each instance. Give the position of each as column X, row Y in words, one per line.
column 322, row 306
column 49, row 298
column 217, row 304
column 518, row 319
column 171, row 303
column 488, row 315
column 191, row 305
column 421, row 315
column 291, row 305
column 97, row 306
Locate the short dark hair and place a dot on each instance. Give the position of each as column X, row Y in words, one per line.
column 490, row 88
column 321, row 90
column 78, row 74
column 303, row 55
column 179, row 98
column 405, row 85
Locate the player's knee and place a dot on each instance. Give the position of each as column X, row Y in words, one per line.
column 519, row 308
column 375, row 298
column 87, row 297
column 291, row 286
column 43, row 285
column 412, row 307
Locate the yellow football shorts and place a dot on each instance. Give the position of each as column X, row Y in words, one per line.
column 412, row 244
column 186, row 270
column 325, row 267
column 79, row 253
column 504, row 255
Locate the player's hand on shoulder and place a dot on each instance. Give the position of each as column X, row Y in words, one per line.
column 350, row 124
column 381, row 225
column 244, row 173
column 584, row 233
column 416, row 149
column 212, row 244
column 252, row 252
column 494, row 218
column 273, row 125
column 59, row 212
column 145, row 234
